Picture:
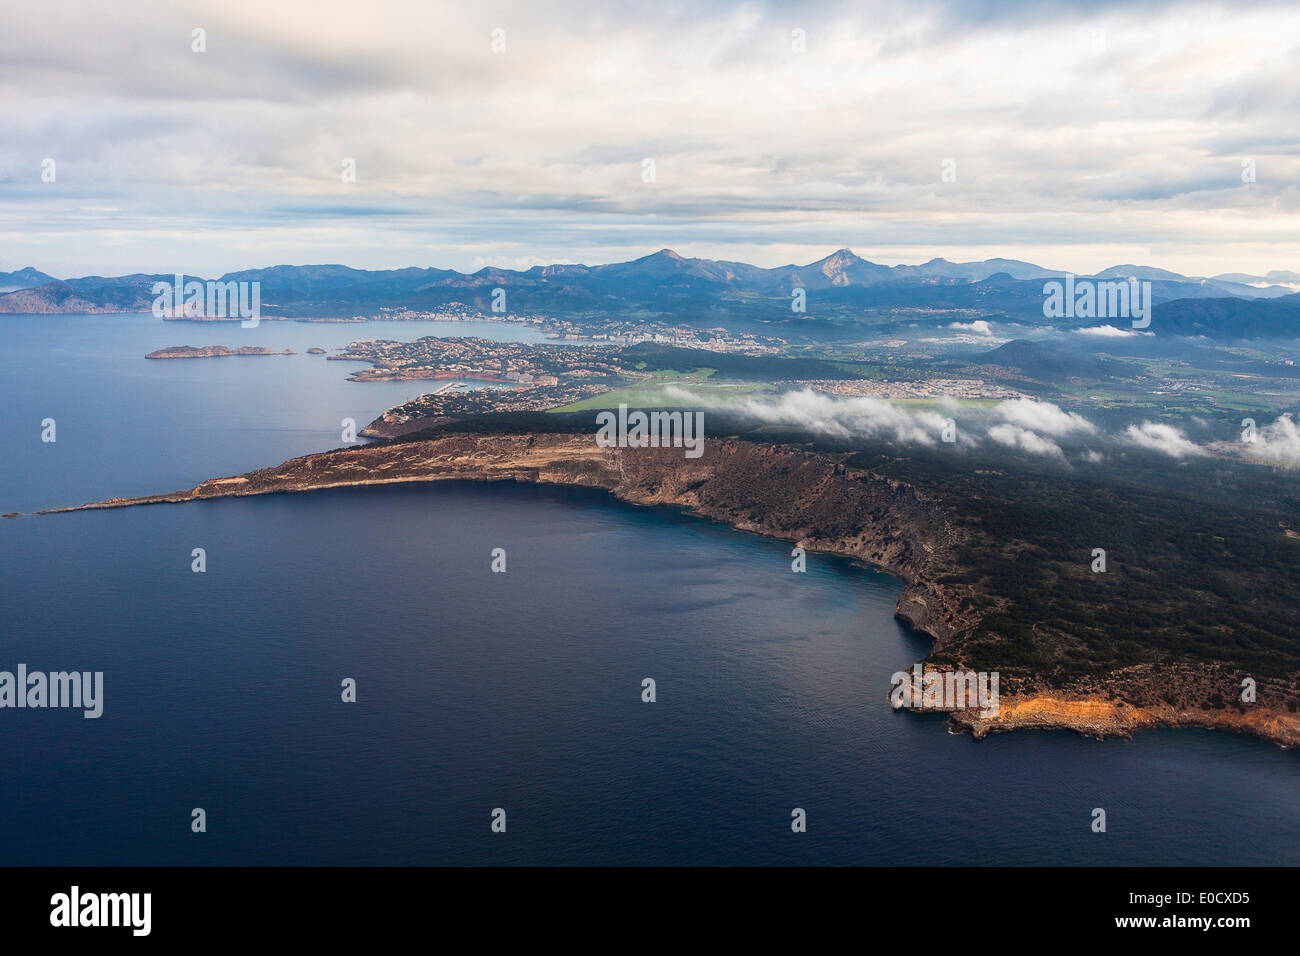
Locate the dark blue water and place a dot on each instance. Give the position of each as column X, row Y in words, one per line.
column 519, row 690
column 522, row 691
column 126, row 425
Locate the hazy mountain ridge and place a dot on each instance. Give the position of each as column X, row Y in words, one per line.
column 23, row 279
column 837, row 286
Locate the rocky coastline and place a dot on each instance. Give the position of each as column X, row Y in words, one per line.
column 211, row 351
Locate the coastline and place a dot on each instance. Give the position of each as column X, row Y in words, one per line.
column 745, row 485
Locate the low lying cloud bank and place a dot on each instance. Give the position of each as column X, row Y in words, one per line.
column 1025, row 425
column 1110, row 332
column 1016, row 437
column 830, row 415
column 1044, row 417
column 1166, row 439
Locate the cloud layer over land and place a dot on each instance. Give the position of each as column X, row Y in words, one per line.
column 1029, row 426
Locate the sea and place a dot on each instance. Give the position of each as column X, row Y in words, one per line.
column 499, row 716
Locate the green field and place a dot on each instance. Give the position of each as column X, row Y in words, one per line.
column 652, row 393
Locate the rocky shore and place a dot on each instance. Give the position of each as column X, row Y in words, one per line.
column 1100, row 717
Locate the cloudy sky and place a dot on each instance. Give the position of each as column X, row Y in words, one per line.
column 1078, row 136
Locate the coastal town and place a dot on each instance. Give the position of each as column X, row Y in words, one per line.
column 610, row 331
column 480, row 360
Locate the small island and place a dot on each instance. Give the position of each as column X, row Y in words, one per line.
column 211, row 351
column 315, row 351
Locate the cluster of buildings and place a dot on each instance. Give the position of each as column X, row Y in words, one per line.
column 479, row 359
column 604, row 330
column 712, row 340
column 934, row 388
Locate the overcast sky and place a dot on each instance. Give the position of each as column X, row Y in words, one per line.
column 1078, row 139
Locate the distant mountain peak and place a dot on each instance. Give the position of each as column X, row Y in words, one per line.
column 842, row 266
column 23, row 278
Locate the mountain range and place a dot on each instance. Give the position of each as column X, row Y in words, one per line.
column 664, row 285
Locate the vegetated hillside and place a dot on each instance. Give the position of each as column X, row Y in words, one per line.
column 1048, row 363
column 89, row 294
column 1229, row 318
column 1200, row 568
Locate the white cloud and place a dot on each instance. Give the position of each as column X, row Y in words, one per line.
column 1110, row 332
column 1022, row 438
column 979, row 325
column 830, row 415
column 1044, row 417
column 1166, row 439
column 1276, row 444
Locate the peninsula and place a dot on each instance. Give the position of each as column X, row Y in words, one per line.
column 990, row 598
